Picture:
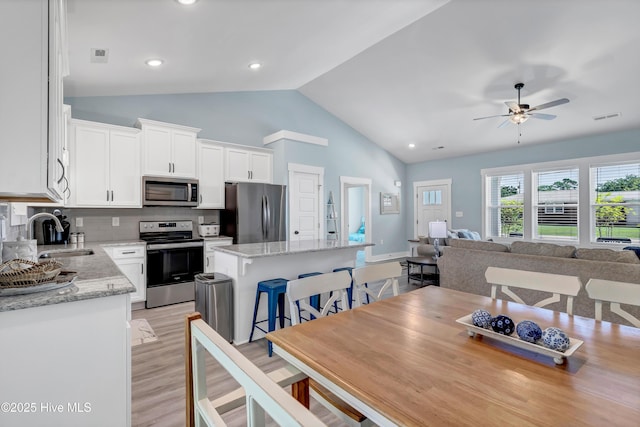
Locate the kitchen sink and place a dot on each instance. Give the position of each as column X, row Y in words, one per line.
column 65, row 253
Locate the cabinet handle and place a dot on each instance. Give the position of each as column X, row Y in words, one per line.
column 248, row 174
column 63, row 173
column 128, row 252
column 200, row 198
column 107, row 195
column 174, row 167
column 169, row 167
column 207, row 261
column 141, row 268
column 112, row 195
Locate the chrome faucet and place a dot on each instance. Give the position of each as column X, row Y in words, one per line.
column 40, row 215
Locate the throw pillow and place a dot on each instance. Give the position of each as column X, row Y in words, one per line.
column 607, row 255
column 475, row 235
column 542, row 249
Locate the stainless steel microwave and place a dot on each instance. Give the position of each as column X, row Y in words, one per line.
column 168, row 191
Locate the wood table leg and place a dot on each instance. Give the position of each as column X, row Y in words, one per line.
column 300, row 391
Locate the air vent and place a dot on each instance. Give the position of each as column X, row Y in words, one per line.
column 99, row 55
column 607, row 116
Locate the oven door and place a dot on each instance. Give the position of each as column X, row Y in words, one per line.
column 170, row 272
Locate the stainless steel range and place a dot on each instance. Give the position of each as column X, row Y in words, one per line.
column 174, row 257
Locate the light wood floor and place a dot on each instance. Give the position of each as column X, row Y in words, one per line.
column 158, row 383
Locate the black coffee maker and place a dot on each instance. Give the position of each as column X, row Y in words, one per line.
column 49, row 233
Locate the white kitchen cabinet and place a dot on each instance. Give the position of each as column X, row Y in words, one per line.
column 105, row 165
column 247, row 165
column 131, row 261
column 31, row 101
column 210, row 174
column 168, row 149
column 209, row 251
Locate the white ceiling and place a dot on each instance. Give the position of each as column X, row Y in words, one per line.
column 398, row 71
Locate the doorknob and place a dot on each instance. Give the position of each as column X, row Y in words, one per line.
column 296, row 232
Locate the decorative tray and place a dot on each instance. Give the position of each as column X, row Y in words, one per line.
column 65, row 278
column 558, row 356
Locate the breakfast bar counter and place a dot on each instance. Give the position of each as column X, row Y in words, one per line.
column 249, row 263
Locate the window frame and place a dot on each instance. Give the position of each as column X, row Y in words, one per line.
column 586, row 197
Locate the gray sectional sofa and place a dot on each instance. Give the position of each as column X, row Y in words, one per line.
column 463, row 264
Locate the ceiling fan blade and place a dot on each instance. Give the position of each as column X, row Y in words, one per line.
column 503, row 124
column 513, row 106
column 542, row 116
column 549, row 104
column 490, row 117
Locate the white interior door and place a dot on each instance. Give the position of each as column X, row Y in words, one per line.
column 305, row 205
column 433, row 203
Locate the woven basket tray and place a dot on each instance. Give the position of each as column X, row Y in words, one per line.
column 21, row 272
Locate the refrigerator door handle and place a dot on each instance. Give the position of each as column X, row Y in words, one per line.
column 264, row 217
column 268, row 211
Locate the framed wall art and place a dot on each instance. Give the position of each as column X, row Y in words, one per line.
column 389, row 203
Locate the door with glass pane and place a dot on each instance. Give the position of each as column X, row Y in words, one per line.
column 433, row 205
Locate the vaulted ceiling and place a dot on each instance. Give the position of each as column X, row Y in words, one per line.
column 398, row 71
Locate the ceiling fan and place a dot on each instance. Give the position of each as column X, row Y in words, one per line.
column 520, row 113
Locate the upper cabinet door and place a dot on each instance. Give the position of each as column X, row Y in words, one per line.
column 184, row 154
column 157, row 151
column 210, row 175
column 90, row 166
column 261, row 167
column 237, row 165
column 124, row 169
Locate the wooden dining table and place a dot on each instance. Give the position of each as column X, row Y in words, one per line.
column 405, row 361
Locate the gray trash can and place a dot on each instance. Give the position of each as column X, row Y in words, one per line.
column 214, row 301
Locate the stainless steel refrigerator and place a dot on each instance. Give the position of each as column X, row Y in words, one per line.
column 254, row 212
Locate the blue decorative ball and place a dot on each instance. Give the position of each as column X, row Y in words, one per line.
column 529, row 331
column 481, row 318
column 555, row 339
column 502, row 325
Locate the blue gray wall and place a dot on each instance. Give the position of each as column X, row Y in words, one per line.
column 247, row 117
column 464, row 172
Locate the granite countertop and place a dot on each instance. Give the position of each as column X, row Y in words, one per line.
column 97, row 277
column 258, row 250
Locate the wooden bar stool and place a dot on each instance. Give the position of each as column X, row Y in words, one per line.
column 275, row 290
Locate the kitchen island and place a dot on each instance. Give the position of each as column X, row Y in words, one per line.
column 66, row 355
column 249, row 263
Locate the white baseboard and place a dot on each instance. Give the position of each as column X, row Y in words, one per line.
column 390, row 256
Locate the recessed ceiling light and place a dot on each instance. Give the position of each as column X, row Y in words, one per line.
column 412, row 145
column 154, row 62
column 186, row 2
column 255, row 65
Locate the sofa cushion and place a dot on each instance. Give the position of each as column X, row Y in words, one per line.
column 607, row 255
column 478, row 245
column 543, row 249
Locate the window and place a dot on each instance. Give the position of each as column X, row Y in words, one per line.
column 582, row 201
column 615, row 205
column 432, row 197
column 505, row 205
column 556, row 204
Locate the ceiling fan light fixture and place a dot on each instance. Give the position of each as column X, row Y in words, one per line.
column 518, row 118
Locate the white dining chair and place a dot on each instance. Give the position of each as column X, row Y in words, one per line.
column 388, row 271
column 556, row 284
column 614, row 293
column 298, row 293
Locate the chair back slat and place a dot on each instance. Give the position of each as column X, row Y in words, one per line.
column 299, row 290
column 388, row 271
column 614, row 293
column 556, row 284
